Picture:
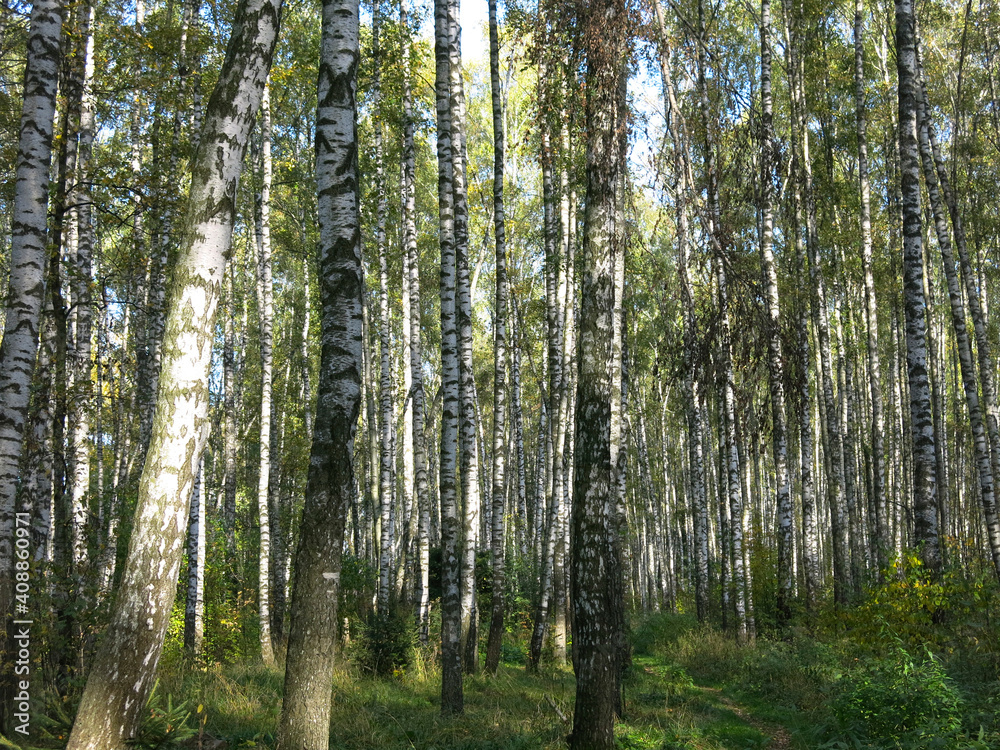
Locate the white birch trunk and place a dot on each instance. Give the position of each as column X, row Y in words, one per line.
column 123, row 669
column 25, row 291
column 921, row 423
column 451, row 525
column 266, row 287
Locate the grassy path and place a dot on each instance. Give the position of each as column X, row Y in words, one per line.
column 667, row 709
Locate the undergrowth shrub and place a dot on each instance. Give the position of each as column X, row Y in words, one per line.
column 954, row 610
column 654, row 634
column 708, row 654
column 901, row 699
column 796, row 673
column 164, row 726
column 387, row 644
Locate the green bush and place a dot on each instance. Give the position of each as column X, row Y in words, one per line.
column 387, row 644
column 899, row 699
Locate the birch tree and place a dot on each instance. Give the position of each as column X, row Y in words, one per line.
column 123, row 669
column 499, row 356
column 921, row 422
column 451, row 525
column 598, row 587
column 265, row 288
column 25, row 290
column 330, row 489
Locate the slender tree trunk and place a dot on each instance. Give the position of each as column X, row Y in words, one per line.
column 330, row 489
column 499, row 358
column 122, row 674
column 451, row 526
column 469, row 469
column 80, row 393
column 551, row 558
column 415, row 353
column 695, row 442
column 977, row 311
column 25, row 292
column 713, row 230
column 783, row 497
column 194, row 609
column 266, row 368
column 980, row 439
column 229, row 431
column 385, row 377
column 878, row 496
column 921, row 424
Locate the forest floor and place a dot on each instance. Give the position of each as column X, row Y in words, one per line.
column 829, row 687
column 514, row 710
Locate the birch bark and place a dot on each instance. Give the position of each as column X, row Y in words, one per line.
column 122, row 674
column 330, row 488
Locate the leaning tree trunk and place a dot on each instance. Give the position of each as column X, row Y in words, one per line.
column 330, row 488
column 914, row 304
column 25, row 290
column 598, row 587
column 499, row 358
column 977, row 312
column 123, row 670
column 980, row 438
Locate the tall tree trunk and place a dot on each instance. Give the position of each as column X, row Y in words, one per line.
column 451, row 526
column 977, row 311
column 80, row 393
column 330, row 488
column 921, row 424
column 499, row 358
column 980, row 438
column 266, row 371
column 695, row 441
column 598, row 586
column 714, row 232
column 122, row 674
column 783, row 497
column 550, row 562
column 229, row 430
column 469, row 468
column 25, row 291
column 385, row 378
column 878, row 460
column 810, row 539
column 415, row 353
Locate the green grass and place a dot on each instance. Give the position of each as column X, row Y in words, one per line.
column 514, row 710
column 688, row 687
